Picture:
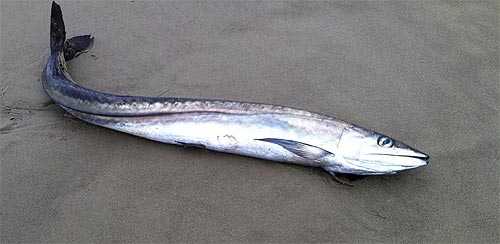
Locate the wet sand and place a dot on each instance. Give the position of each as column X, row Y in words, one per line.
column 424, row 72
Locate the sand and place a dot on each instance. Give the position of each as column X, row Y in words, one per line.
column 424, row 72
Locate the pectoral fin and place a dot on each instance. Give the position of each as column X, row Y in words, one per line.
column 301, row 149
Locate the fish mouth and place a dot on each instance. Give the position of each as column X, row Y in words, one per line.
column 417, row 155
column 377, row 165
column 424, row 158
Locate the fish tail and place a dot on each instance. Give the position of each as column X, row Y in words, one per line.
column 57, row 30
column 77, row 45
column 71, row 47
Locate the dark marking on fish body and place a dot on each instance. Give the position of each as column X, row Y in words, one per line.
column 195, row 145
column 230, row 137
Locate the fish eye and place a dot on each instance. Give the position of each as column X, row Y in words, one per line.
column 385, row 141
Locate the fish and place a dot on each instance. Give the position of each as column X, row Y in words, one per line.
column 271, row 132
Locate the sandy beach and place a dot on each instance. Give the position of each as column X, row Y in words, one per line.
column 424, row 72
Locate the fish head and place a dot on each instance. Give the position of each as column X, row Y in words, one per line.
column 366, row 152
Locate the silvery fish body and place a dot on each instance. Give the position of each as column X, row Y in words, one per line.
column 264, row 131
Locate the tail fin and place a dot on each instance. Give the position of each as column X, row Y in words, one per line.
column 57, row 30
column 72, row 47
column 77, row 45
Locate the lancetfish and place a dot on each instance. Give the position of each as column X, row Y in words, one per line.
column 276, row 133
